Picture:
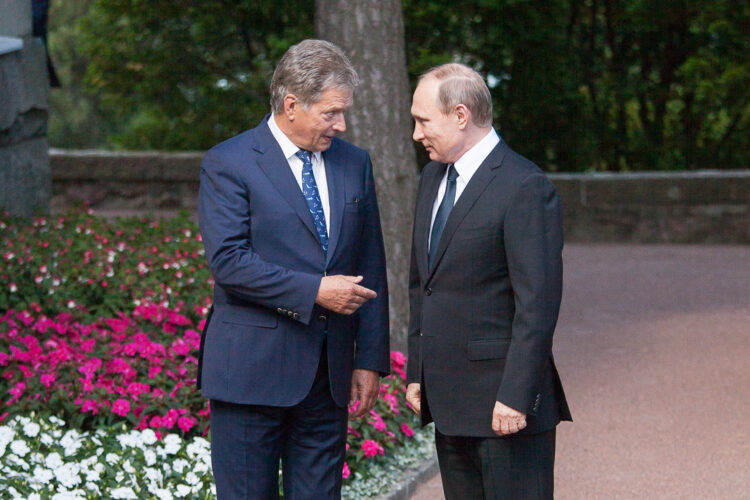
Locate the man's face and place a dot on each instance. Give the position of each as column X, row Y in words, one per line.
column 438, row 133
column 314, row 128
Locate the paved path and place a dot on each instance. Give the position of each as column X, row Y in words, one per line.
column 653, row 345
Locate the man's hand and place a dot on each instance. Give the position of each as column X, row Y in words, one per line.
column 365, row 387
column 506, row 420
column 414, row 397
column 342, row 294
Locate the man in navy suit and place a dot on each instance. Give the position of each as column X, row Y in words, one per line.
column 299, row 327
column 484, row 292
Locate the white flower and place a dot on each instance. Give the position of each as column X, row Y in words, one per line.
column 19, row 447
column 179, row 465
column 128, row 467
column 154, row 475
column 183, row 490
column 127, row 440
column 67, row 475
column 6, row 435
column 56, row 420
column 164, row 494
column 119, row 476
column 35, row 496
column 150, row 457
column 31, row 429
column 46, row 439
column 68, row 495
column 148, row 437
column 43, row 475
column 172, row 444
column 71, row 442
column 53, row 461
column 111, row 458
column 191, row 478
column 125, row 493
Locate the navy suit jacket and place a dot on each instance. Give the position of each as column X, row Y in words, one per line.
column 482, row 318
column 263, row 341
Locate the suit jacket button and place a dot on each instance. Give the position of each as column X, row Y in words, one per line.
column 279, row 310
column 322, row 317
column 295, row 316
column 290, row 313
column 428, row 291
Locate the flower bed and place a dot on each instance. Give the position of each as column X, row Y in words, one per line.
column 99, row 326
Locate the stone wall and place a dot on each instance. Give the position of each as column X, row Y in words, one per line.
column 24, row 162
column 682, row 207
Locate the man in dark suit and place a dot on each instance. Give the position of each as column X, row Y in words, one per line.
column 485, row 288
column 299, row 328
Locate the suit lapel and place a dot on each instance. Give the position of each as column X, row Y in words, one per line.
column 335, row 178
column 423, row 216
column 276, row 168
column 476, row 186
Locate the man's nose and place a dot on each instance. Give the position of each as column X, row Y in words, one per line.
column 339, row 125
column 417, row 135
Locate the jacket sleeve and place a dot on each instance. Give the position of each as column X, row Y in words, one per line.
column 224, row 218
column 533, row 243
column 373, row 341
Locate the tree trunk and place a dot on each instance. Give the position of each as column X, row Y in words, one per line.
column 372, row 35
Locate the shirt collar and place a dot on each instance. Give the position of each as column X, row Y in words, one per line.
column 471, row 160
column 287, row 146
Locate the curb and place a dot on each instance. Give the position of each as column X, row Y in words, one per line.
column 413, row 478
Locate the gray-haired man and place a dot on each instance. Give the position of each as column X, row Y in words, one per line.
column 292, row 233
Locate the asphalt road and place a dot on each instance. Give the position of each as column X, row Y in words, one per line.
column 653, row 346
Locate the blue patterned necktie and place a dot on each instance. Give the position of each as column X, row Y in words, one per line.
column 442, row 214
column 312, row 196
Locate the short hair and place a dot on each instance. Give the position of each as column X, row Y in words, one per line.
column 308, row 69
column 459, row 84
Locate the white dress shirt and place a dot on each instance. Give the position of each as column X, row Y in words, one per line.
column 318, row 165
column 465, row 166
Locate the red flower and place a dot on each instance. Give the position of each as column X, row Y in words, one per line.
column 371, row 448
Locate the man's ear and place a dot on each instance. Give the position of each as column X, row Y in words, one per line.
column 291, row 106
column 463, row 115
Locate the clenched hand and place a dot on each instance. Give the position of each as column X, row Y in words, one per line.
column 414, row 396
column 506, row 420
column 342, row 294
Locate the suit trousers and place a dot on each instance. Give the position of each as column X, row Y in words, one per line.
column 503, row 468
column 247, row 442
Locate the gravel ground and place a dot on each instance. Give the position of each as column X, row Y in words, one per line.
column 653, row 346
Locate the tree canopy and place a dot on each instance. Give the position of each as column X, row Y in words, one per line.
column 576, row 84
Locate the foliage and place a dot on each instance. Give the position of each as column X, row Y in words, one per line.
column 612, row 85
column 186, row 75
column 99, row 325
column 576, row 85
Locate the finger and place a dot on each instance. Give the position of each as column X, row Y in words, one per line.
column 364, row 292
column 352, row 279
column 522, row 424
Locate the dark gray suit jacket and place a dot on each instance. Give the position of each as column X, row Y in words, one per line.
column 482, row 319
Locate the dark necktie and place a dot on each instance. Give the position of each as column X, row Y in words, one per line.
column 312, row 196
column 443, row 211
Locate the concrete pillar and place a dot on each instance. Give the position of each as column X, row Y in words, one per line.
column 25, row 176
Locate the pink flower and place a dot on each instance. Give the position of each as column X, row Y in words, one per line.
column 346, row 472
column 90, row 405
column 47, row 379
column 407, row 430
column 371, row 448
column 392, row 402
column 186, row 423
column 155, row 422
column 121, row 407
column 377, row 421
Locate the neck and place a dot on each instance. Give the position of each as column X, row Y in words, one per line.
column 473, row 135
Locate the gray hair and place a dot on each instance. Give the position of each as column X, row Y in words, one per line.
column 459, row 84
column 308, row 69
